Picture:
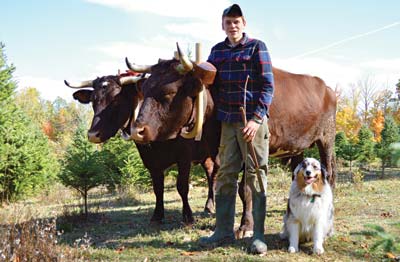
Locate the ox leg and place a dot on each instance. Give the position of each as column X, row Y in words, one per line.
column 157, row 177
column 328, row 159
column 182, row 185
column 211, row 168
column 246, row 223
column 294, row 161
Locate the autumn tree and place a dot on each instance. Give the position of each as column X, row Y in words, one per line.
column 377, row 124
column 347, row 119
column 390, row 135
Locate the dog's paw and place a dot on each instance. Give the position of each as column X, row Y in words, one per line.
column 318, row 250
column 293, row 249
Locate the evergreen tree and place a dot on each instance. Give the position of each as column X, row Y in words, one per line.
column 345, row 149
column 365, row 145
column 390, row 135
column 26, row 162
column 124, row 164
column 83, row 167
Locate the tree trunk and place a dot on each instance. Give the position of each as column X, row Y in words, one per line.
column 350, row 165
column 86, row 208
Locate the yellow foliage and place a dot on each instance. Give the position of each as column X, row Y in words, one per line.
column 348, row 122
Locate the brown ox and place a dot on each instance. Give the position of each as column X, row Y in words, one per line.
column 302, row 114
column 114, row 100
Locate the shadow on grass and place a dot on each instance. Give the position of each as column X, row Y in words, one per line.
column 369, row 175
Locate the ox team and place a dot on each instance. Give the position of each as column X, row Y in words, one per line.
column 244, row 79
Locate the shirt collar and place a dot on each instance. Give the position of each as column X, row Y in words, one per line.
column 242, row 42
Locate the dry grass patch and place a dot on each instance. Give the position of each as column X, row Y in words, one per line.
column 118, row 228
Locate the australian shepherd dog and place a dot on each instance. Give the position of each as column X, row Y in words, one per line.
column 309, row 214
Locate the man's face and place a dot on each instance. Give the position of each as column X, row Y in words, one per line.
column 233, row 26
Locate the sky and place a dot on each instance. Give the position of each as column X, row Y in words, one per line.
column 340, row 41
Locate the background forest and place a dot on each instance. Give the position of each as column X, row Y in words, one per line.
column 43, row 142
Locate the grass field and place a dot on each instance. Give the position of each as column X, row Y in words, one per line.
column 118, row 228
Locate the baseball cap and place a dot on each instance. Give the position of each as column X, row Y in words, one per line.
column 233, row 10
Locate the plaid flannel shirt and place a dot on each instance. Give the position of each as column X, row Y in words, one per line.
column 249, row 58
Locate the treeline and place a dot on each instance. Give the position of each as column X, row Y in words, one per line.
column 42, row 142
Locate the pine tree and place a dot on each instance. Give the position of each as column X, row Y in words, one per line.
column 390, row 135
column 124, row 164
column 365, row 145
column 83, row 167
column 345, row 149
column 26, row 161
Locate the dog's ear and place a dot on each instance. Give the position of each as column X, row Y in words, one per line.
column 296, row 170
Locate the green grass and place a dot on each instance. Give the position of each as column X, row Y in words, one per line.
column 119, row 229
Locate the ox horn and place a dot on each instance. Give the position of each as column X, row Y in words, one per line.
column 186, row 65
column 138, row 68
column 198, row 125
column 126, row 80
column 87, row 83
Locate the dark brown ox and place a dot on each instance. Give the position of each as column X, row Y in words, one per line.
column 302, row 114
column 114, row 100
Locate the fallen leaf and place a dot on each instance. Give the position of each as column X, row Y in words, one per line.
column 169, row 243
column 390, row 255
column 120, row 249
column 189, row 253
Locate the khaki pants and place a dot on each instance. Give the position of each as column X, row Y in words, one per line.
column 233, row 150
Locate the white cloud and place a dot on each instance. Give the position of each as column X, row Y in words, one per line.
column 49, row 89
column 332, row 73
column 389, row 65
column 336, row 73
column 172, row 8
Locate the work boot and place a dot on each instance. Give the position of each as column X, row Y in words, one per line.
column 225, row 217
column 258, row 245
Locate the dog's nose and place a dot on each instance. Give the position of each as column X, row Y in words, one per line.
column 308, row 172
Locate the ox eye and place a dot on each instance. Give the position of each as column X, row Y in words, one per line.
column 169, row 96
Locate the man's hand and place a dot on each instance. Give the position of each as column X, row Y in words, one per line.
column 250, row 130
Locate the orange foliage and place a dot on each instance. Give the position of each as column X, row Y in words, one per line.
column 377, row 125
column 48, row 130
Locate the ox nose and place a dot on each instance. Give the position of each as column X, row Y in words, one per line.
column 94, row 137
column 141, row 134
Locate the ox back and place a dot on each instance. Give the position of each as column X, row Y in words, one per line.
column 302, row 115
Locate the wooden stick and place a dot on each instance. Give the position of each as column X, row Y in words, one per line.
column 253, row 153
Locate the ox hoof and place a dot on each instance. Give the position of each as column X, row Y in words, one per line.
column 188, row 220
column 209, row 210
column 243, row 233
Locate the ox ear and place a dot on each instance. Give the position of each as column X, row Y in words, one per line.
column 192, row 85
column 83, row 96
column 139, row 87
column 206, row 72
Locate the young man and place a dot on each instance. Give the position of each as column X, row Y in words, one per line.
column 236, row 59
